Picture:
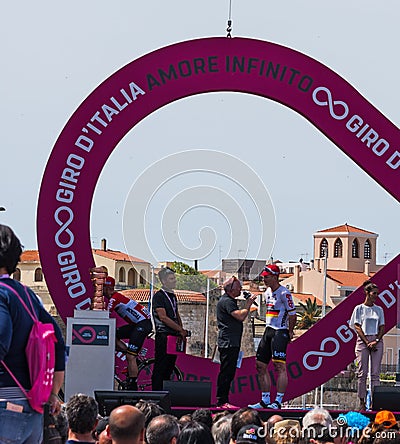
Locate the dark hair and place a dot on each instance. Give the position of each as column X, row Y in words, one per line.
column 82, row 413
column 242, row 417
column 149, row 409
column 203, row 416
column 162, row 429
column 369, row 285
column 10, row 249
column 101, row 426
column 164, row 272
column 195, row 433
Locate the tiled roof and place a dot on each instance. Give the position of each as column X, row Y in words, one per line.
column 302, row 297
column 345, row 229
column 212, row 273
column 143, row 295
column 117, row 256
column 348, row 278
column 285, row 275
column 30, row 256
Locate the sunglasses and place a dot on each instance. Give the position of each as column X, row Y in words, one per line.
column 235, row 279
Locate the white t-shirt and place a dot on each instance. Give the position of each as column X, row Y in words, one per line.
column 370, row 318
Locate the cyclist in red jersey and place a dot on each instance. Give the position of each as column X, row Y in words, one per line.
column 138, row 327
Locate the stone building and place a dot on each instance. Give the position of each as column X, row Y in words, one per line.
column 192, row 308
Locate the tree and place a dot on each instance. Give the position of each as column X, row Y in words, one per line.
column 188, row 278
column 310, row 314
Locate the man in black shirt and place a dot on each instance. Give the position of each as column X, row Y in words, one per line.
column 168, row 323
column 230, row 325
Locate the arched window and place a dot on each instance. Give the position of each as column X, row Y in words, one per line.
column 38, row 275
column 323, row 248
column 17, row 274
column 121, row 275
column 142, row 277
column 132, row 277
column 367, row 249
column 355, row 249
column 338, row 249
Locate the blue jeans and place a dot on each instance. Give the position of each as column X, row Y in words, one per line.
column 20, row 428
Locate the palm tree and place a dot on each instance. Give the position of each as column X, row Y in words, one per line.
column 310, row 314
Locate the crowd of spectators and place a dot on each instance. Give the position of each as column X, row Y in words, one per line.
column 147, row 423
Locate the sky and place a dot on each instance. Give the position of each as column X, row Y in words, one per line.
column 288, row 180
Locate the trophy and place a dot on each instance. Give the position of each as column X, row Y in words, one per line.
column 98, row 276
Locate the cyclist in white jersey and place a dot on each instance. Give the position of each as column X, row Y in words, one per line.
column 280, row 322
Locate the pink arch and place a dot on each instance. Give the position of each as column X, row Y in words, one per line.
column 181, row 70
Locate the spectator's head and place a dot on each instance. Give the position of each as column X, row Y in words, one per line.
column 100, row 433
column 270, row 423
column 385, row 418
column 316, row 433
column 195, row 433
column 356, row 423
column 62, row 424
column 163, row 429
column 251, row 434
column 167, row 278
column 287, row 431
column 204, row 416
column 242, row 417
column 340, row 432
column 184, row 419
column 317, row 415
column 149, row 409
column 126, row 425
column 10, row 249
column 221, row 429
column 82, row 414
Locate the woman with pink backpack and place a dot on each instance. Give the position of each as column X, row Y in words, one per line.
column 31, row 366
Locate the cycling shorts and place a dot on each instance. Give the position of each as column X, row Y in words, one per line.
column 136, row 333
column 273, row 345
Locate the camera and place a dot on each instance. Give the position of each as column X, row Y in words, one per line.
column 246, row 295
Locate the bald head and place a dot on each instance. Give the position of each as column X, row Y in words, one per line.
column 272, row 420
column 126, row 424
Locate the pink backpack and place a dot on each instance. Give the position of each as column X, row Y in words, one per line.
column 40, row 354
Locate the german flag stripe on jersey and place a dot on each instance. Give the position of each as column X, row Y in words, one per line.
column 272, row 313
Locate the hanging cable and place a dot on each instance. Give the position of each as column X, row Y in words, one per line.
column 229, row 28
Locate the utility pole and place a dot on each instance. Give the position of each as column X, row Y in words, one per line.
column 325, row 274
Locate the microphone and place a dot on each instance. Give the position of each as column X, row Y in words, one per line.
column 246, row 295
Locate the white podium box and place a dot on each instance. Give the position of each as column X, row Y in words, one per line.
column 91, row 343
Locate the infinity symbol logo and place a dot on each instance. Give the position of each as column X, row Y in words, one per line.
column 330, row 103
column 80, row 335
column 321, row 353
column 64, row 227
